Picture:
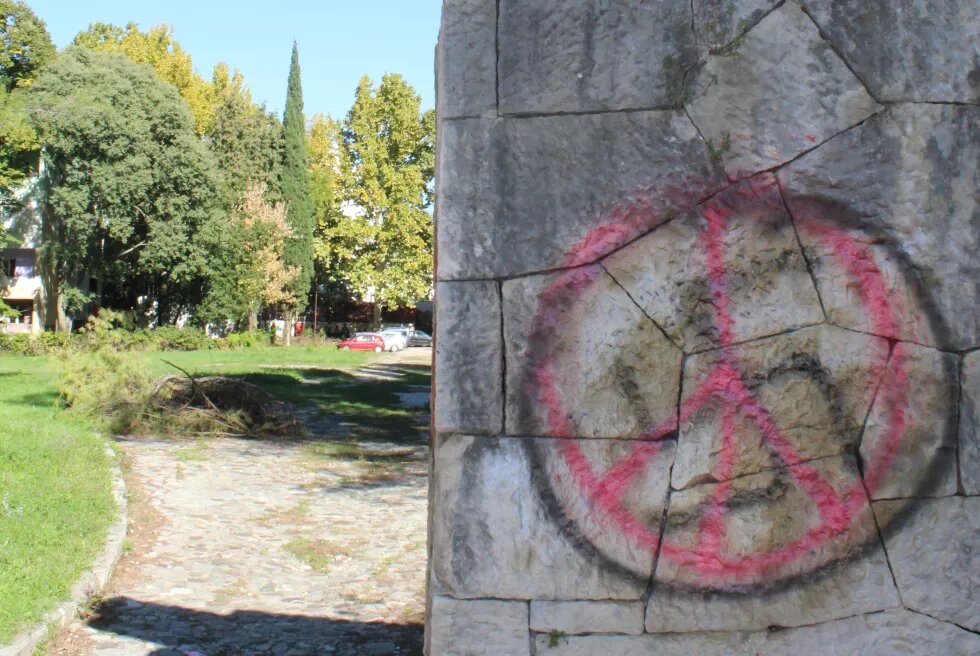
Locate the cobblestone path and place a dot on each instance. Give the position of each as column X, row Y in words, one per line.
column 259, row 547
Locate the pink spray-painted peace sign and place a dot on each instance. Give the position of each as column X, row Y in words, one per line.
column 592, row 499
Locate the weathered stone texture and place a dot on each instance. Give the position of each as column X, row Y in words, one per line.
column 779, row 91
column 718, row 24
column 932, row 548
column 816, row 383
column 769, row 512
column 573, row 617
column 766, row 277
column 469, row 362
column 477, row 627
column 880, row 634
column 466, row 59
column 497, row 526
column 907, row 50
column 527, row 207
column 681, row 644
column 907, row 181
column 613, row 372
column 860, row 585
column 969, row 443
column 909, row 444
column 578, row 55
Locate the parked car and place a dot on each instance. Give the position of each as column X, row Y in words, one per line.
column 363, row 342
column 395, row 338
column 419, row 338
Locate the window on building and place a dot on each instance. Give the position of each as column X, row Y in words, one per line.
column 8, row 266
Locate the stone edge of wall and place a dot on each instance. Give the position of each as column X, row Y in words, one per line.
column 91, row 582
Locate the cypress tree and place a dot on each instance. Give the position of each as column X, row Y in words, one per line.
column 296, row 187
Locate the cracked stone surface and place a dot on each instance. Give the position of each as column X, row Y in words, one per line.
column 493, row 535
column 907, row 50
column 480, row 627
column 614, row 372
column 771, row 512
column 969, row 443
column 579, row 56
column 917, row 400
column 781, row 91
column 467, row 59
column 718, row 24
column 907, row 179
column 816, row 383
column 468, row 358
column 766, row 277
column 527, row 213
column 931, row 545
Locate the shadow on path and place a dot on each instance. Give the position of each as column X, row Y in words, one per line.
column 251, row 633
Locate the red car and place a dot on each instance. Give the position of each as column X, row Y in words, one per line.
column 363, row 342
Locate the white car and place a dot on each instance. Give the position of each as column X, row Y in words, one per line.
column 395, row 339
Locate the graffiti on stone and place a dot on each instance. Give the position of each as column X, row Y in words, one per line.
column 706, row 341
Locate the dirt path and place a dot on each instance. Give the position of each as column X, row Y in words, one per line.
column 254, row 547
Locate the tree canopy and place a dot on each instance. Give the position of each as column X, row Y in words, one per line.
column 131, row 185
column 374, row 232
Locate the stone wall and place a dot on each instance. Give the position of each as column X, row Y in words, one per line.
column 707, row 318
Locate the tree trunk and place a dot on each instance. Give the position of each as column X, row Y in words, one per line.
column 376, row 315
column 253, row 321
column 287, row 328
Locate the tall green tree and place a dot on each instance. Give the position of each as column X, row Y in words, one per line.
column 25, row 49
column 129, row 184
column 296, row 187
column 376, row 234
column 246, row 140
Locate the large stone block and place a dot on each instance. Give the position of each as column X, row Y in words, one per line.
column 861, row 585
column 777, row 92
column 680, row 644
column 907, row 50
column 469, row 358
column 578, row 55
column 816, row 384
column 466, row 59
column 969, row 443
column 756, row 532
column 893, row 202
column 909, row 444
column 879, row 634
column 477, row 627
column 583, row 360
column 523, row 195
column 573, row 617
column 511, row 519
column 932, row 548
column 769, row 290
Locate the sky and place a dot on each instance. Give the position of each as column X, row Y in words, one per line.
column 339, row 40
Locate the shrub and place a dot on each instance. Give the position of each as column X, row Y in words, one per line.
column 245, row 340
column 112, row 388
column 171, row 338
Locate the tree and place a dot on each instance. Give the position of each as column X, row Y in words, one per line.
column 296, row 189
column 158, row 48
column 25, row 45
column 25, row 49
column 129, row 184
column 382, row 244
column 248, row 270
column 247, row 141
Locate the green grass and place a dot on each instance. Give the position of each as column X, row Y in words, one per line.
column 55, row 493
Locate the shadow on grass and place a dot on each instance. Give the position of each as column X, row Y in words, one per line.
column 251, row 632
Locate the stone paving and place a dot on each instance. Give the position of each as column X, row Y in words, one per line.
column 260, row 548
